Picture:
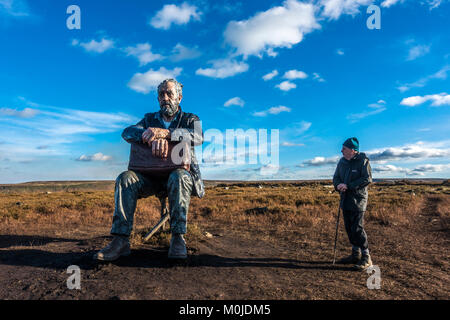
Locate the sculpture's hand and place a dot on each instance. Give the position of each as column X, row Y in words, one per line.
column 160, row 148
column 152, row 134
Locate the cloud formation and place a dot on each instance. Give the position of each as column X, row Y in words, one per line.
column 173, row 14
column 417, row 171
column 95, row 157
column 376, row 109
column 417, row 151
column 181, row 52
column 236, row 101
column 273, row 110
column 94, row 45
column 149, row 81
column 440, row 75
column 223, row 68
column 270, row 75
column 417, row 52
column 143, row 53
column 438, row 100
column 414, row 151
column 319, row 162
column 279, row 27
column 14, row 8
column 286, row 85
column 25, row 113
column 295, row 74
column 333, row 9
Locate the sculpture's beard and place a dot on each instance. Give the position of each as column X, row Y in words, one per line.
column 169, row 109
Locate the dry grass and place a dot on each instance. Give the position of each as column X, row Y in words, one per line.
column 273, row 209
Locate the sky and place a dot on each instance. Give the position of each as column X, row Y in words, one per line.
column 309, row 74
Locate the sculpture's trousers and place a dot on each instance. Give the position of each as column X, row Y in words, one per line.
column 131, row 186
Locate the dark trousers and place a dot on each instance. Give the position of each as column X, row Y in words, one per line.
column 131, row 186
column 354, row 225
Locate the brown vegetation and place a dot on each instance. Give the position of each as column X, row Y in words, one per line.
column 296, row 217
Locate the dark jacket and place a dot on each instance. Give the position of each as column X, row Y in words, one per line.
column 357, row 175
column 185, row 123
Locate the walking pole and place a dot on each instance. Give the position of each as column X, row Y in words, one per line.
column 337, row 226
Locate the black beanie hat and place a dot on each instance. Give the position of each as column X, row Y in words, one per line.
column 352, row 143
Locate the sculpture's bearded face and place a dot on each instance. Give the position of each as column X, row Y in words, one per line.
column 169, row 100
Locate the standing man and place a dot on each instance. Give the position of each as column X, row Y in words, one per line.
column 351, row 178
column 156, row 129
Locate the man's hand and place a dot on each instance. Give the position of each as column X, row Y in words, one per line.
column 152, row 134
column 342, row 187
column 160, row 148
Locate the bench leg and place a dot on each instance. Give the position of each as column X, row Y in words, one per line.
column 163, row 221
column 157, row 227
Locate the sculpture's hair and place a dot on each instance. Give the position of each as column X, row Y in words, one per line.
column 178, row 85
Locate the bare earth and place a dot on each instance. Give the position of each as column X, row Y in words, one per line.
column 241, row 263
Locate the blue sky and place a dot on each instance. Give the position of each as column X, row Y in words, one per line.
column 312, row 70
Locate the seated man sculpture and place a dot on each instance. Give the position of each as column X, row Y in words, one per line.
column 157, row 130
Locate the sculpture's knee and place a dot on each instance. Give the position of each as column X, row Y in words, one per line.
column 179, row 178
column 127, row 178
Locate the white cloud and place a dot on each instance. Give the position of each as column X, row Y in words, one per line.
column 317, row 77
column 53, row 130
column 303, row 126
column 95, row 157
column 440, row 75
column 273, row 110
column 148, row 81
column 388, row 3
column 278, row 27
column 95, row 46
column 319, row 161
column 295, row 74
column 431, row 168
column 286, row 86
column 223, row 69
column 340, row 52
column 181, row 52
column 413, row 151
column 432, row 3
column 173, row 14
column 25, row 113
column 143, row 53
column 236, row 101
column 290, row 144
column 358, row 116
column 270, row 75
column 417, row 171
column 437, row 100
column 389, row 168
column 14, row 8
column 417, row 52
column 333, row 9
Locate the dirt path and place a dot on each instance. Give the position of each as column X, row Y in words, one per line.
column 414, row 264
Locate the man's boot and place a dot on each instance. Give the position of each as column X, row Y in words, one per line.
column 355, row 257
column 119, row 246
column 177, row 248
column 364, row 263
